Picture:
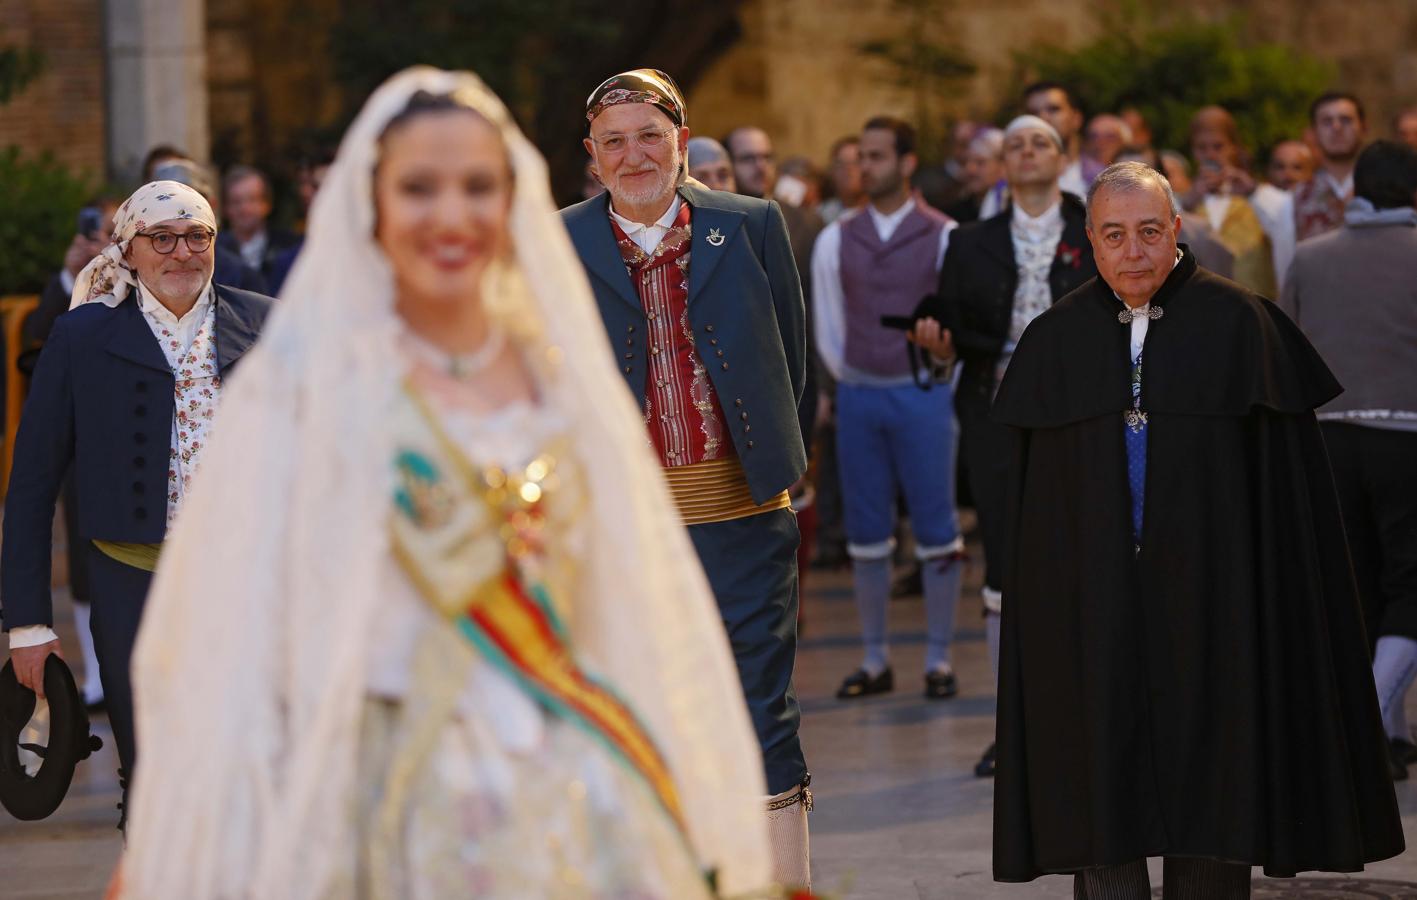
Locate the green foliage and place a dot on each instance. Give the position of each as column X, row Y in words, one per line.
column 38, row 208
column 1169, row 71
column 516, row 46
column 18, row 67
column 923, row 62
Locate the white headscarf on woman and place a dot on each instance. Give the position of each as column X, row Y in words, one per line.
column 249, row 669
column 108, row 277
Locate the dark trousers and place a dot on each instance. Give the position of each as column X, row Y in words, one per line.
column 751, row 565
column 1182, row 879
column 1375, row 472
column 119, row 592
column 985, row 448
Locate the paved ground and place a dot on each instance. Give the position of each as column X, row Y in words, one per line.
column 899, row 814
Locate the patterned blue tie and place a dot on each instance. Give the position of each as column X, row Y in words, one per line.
column 1135, row 432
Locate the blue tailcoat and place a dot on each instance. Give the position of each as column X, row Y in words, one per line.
column 749, row 323
column 747, row 314
column 102, row 400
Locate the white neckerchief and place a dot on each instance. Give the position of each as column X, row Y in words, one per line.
column 158, row 316
column 1036, row 229
column 887, row 224
column 647, row 237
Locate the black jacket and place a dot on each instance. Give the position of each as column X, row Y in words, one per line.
column 975, row 299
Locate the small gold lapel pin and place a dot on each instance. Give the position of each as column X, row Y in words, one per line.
column 715, row 238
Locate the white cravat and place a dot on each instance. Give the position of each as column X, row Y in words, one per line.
column 647, row 237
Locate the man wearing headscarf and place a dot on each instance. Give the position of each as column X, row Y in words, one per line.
column 124, row 390
column 714, row 351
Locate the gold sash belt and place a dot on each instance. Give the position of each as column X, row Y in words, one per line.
column 716, row 491
column 139, row 556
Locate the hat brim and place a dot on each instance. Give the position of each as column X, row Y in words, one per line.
column 31, row 797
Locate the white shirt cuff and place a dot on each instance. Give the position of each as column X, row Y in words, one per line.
column 31, row 636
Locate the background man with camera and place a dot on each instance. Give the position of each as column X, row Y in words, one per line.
column 895, row 433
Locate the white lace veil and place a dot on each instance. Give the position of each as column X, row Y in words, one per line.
column 250, row 665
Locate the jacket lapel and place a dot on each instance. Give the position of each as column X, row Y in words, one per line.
column 235, row 332
column 133, row 340
column 712, row 231
column 595, row 241
column 1000, row 244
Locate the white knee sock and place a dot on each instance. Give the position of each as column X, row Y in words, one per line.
column 940, row 577
column 872, row 581
column 1394, row 667
column 93, row 686
column 789, row 844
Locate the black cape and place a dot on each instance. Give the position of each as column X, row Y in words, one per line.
column 1210, row 696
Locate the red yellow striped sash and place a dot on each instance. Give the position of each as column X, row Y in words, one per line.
column 517, row 630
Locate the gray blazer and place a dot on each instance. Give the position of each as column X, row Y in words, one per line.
column 1353, row 292
column 747, row 315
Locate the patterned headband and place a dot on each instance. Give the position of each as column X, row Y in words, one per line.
column 638, row 86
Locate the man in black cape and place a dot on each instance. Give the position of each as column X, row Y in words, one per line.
column 1184, row 671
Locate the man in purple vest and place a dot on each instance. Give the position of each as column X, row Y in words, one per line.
column 895, row 431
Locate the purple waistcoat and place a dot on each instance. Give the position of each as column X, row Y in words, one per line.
column 886, row 280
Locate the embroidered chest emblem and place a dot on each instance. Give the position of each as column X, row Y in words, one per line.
column 715, row 238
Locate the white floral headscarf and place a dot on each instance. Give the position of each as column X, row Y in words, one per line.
column 108, row 277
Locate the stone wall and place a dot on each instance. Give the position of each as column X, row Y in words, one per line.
column 63, row 110
column 799, row 74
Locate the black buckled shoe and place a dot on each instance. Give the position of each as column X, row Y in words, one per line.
column 861, row 683
column 940, row 685
column 985, row 767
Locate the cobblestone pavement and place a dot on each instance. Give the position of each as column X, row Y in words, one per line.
column 899, row 814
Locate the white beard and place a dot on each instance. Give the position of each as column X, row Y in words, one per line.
column 646, row 195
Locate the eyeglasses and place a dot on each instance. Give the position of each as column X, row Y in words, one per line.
column 165, row 242
column 614, row 143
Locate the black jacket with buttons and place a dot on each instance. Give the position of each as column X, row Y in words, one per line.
column 746, row 311
column 101, row 400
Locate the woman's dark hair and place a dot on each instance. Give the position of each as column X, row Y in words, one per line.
column 421, row 103
column 1386, row 175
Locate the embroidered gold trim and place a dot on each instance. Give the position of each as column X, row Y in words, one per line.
column 716, row 490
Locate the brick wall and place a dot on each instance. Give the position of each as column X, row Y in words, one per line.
column 63, row 110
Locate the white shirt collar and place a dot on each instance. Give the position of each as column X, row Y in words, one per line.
column 887, row 224
column 151, row 306
column 632, row 228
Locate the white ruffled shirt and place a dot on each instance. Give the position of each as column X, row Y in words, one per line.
column 161, row 321
column 1035, row 240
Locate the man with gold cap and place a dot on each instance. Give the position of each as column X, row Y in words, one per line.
column 124, row 391
column 715, row 352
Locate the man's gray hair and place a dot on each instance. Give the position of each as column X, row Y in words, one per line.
column 1130, row 176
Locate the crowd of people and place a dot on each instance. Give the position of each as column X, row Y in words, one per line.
column 468, row 583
